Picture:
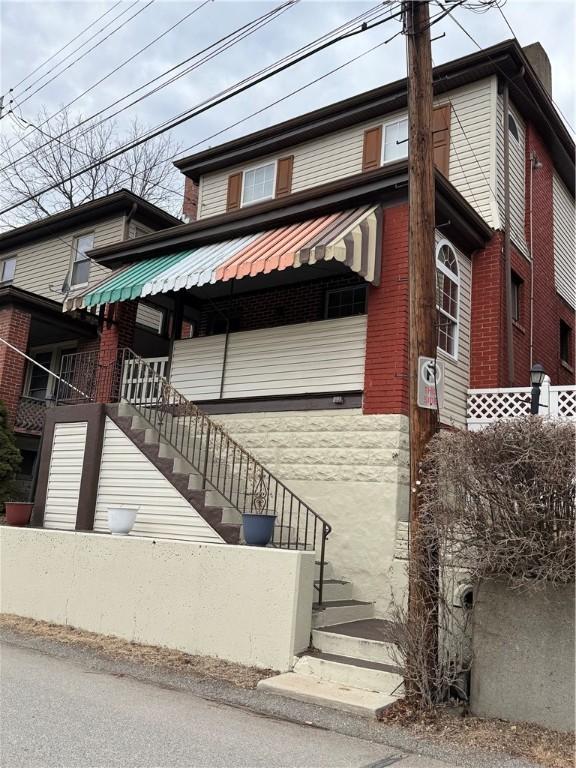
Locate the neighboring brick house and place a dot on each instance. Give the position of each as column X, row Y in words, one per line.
column 289, row 288
column 41, row 264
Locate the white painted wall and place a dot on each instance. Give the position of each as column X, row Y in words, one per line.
column 244, row 604
column 128, row 478
column 326, row 356
column 337, row 155
column 65, row 475
column 564, row 241
column 350, row 468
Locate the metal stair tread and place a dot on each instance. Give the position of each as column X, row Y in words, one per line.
column 377, row 630
column 337, row 604
column 354, row 662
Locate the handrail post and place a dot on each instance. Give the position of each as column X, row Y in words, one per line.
column 205, row 469
column 321, row 574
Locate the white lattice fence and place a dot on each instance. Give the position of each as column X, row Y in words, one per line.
column 488, row 405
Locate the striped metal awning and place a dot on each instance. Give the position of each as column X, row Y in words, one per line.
column 348, row 237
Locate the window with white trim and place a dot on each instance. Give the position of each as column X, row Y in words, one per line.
column 7, row 270
column 81, row 263
column 395, row 140
column 447, row 297
column 258, row 183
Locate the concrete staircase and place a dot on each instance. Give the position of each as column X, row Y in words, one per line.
column 351, row 665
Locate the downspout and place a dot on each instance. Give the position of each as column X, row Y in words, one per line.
column 128, row 219
column 507, row 267
column 226, row 339
column 531, row 332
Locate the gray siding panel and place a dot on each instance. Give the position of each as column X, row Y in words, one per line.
column 564, row 242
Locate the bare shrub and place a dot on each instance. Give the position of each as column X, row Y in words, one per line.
column 494, row 504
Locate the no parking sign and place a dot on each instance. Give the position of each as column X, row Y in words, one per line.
column 430, row 383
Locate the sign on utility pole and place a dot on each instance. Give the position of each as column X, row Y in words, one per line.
column 423, row 564
column 430, row 383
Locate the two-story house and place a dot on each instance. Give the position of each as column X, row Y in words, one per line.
column 290, row 297
column 41, row 264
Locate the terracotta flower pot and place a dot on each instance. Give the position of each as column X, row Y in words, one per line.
column 18, row 512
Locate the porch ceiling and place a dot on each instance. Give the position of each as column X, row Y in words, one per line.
column 347, row 237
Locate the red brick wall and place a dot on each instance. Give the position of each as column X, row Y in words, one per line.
column 488, row 334
column 190, row 204
column 117, row 333
column 386, row 372
column 14, row 328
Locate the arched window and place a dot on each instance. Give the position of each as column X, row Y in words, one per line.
column 513, row 128
column 447, row 297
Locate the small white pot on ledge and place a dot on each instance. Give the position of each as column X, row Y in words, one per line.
column 121, row 520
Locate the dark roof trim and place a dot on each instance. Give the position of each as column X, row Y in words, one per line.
column 387, row 186
column 39, row 307
column 119, row 202
column 506, row 57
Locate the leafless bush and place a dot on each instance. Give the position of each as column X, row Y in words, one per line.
column 494, row 504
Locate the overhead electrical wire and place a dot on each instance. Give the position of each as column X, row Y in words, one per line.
column 224, row 42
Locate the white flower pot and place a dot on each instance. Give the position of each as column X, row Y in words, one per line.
column 121, row 520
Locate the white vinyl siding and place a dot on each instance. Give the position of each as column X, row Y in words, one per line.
column 127, row 478
column 517, row 176
column 338, row 155
column 457, row 371
column 65, row 475
column 327, row 356
column 42, row 267
column 150, row 317
column 564, row 241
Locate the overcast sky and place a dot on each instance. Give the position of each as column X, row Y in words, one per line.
column 33, row 31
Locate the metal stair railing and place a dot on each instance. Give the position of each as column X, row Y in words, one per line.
column 223, row 463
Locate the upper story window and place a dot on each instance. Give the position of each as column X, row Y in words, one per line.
column 258, row 183
column 513, row 128
column 344, row 302
column 447, row 298
column 7, row 270
column 395, row 140
column 81, row 263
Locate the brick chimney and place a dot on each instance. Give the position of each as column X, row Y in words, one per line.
column 190, row 204
column 540, row 62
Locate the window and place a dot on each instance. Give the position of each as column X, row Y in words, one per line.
column 447, row 282
column 81, row 264
column 517, row 284
column 395, row 140
column 344, row 302
column 513, row 128
column 7, row 270
column 39, row 384
column 565, row 342
column 258, row 184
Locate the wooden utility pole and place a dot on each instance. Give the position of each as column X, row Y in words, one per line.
column 423, row 570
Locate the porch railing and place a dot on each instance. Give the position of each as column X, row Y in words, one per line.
column 223, row 464
column 486, row 406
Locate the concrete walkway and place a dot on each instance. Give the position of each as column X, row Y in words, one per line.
column 58, row 713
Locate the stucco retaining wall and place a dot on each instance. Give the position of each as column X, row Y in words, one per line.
column 352, row 469
column 523, row 663
column 242, row 604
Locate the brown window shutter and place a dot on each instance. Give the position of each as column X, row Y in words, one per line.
column 284, row 176
column 234, row 191
column 441, row 137
column 372, row 148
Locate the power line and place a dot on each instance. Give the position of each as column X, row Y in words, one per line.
column 243, row 86
column 233, row 37
column 96, row 45
column 122, row 64
column 49, row 59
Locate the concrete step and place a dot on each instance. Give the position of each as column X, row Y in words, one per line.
column 328, row 571
column 367, row 639
column 340, row 611
column 334, row 589
column 231, row 515
column 368, row 675
column 334, row 695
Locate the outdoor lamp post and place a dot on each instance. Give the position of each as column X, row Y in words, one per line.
column 537, row 376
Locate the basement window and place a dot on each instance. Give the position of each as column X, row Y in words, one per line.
column 447, row 298
column 565, row 343
column 345, row 302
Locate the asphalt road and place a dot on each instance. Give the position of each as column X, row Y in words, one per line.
column 58, row 713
